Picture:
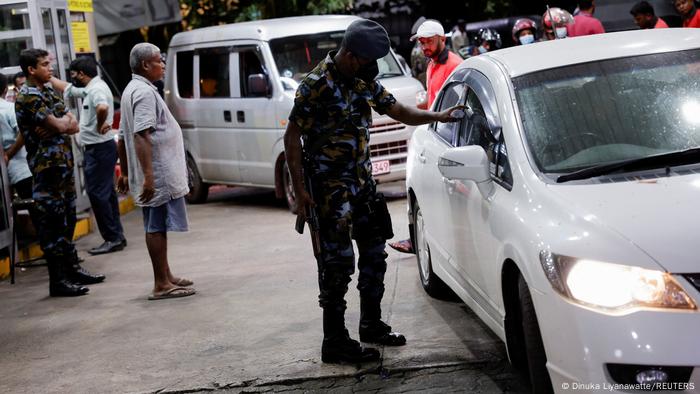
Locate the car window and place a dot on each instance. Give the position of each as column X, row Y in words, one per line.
column 450, row 96
column 478, row 132
column 214, row 72
column 185, row 73
column 250, row 63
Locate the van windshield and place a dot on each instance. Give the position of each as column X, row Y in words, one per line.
column 297, row 55
column 603, row 112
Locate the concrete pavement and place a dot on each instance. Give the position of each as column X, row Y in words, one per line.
column 254, row 325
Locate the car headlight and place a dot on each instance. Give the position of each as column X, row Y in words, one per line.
column 613, row 288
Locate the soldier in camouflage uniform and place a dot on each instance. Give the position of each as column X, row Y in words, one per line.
column 46, row 126
column 332, row 115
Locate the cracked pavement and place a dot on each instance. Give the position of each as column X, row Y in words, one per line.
column 253, row 326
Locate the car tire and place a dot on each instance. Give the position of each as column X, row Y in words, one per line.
column 289, row 195
column 199, row 190
column 432, row 285
column 534, row 348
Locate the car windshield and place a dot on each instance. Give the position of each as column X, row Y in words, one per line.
column 297, row 55
column 602, row 112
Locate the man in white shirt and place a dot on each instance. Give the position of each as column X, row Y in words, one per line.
column 97, row 138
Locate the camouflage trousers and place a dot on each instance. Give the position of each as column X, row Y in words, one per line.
column 54, row 200
column 344, row 217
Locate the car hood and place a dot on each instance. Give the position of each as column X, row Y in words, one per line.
column 404, row 88
column 658, row 215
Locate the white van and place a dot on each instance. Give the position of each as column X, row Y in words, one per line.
column 232, row 87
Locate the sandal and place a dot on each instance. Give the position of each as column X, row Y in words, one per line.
column 404, row 246
column 175, row 292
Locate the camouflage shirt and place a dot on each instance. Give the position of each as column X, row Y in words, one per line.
column 33, row 105
column 335, row 114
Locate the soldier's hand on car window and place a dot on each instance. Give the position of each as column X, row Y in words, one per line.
column 123, row 184
column 304, row 200
column 148, row 189
column 454, row 114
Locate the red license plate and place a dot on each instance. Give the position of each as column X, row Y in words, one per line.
column 381, row 167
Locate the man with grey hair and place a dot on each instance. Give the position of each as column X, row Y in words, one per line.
column 152, row 159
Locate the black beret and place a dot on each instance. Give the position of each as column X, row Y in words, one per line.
column 367, row 39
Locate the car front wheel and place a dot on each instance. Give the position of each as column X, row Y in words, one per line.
column 288, row 188
column 534, row 348
column 432, row 285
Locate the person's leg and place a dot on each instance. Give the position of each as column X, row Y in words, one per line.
column 74, row 272
column 156, row 225
column 372, row 266
column 99, row 174
column 50, row 224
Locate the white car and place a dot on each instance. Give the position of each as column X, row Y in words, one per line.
column 563, row 207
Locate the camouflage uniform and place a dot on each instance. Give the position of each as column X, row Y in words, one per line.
column 51, row 163
column 335, row 115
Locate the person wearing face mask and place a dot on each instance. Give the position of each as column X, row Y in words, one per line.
column 554, row 23
column 487, row 40
column 97, row 137
column 584, row 22
column 332, row 116
column 524, row 31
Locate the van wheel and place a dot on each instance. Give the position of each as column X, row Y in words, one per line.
column 288, row 188
column 534, row 348
column 432, row 285
column 199, row 190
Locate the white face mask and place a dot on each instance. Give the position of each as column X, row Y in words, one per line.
column 527, row 39
column 561, row 32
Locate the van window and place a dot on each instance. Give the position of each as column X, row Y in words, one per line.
column 185, row 74
column 250, row 63
column 214, row 72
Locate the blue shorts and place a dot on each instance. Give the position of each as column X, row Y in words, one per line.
column 171, row 216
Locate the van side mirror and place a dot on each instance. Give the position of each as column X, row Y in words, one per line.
column 258, row 85
column 468, row 163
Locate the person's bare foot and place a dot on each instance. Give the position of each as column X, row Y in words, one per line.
column 182, row 282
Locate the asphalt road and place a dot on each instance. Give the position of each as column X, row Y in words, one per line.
column 254, row 326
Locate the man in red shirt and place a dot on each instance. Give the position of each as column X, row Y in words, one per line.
column 645, row 17
column 431, row 36
column 584, row 22
column 687, row 10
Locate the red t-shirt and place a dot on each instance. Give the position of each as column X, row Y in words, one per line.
column 438, row 71
column 584, row 25
column 660, row 24
column 692, row 22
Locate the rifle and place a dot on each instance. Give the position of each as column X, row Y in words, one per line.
column 311, row 216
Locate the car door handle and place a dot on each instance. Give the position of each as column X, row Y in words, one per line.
column 227, row 116
column 422, row 158
column 448, row 182
column 240, row 116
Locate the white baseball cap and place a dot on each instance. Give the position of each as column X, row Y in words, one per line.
column 429, row 28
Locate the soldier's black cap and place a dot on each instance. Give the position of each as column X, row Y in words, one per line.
column 367, row 39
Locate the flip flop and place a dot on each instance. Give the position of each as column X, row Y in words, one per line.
column 175, row 292
column 184, row 282
column 405, row 246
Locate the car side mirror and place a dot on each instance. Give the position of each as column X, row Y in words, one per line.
column 468, row 163
column 258, row 86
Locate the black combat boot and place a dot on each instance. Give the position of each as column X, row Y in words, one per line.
column 338, row 347
column 77, row 274
column 373, row 330
column 58, row 285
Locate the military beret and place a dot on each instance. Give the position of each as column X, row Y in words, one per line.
column 367, row 39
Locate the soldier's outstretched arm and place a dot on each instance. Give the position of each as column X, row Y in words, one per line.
column 292, row 153
column 414, row 116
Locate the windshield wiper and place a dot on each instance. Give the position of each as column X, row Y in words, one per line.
column 671, row 159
